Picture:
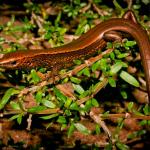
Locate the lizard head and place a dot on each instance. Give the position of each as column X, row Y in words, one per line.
column 14, row 60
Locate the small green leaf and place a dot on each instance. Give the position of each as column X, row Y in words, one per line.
column 109, row 45
column 68, row 112
column 94, row 102
column 146, row 109
column 77, row 62
column 2, row 40
column 61, row 120
column 57, row 20
column 15, row 105
column 49, row 116
column 141, row 132
column 36, row 109
column 148, row 122
column 129, row 43
column 143, row 122
column 96, row 66
column 97, row 129
column 63, row 127
column 59, row 95
column 82, row 128
column 124, row 94
column 34, row 76
column 115, row 68
column 48, row 103
column 78, row 88
column 88, row 105
column 84, row 94
column 10, row 92
column 109, row 147
column 112, row 55
column 86, row 72
column 146, row 2
column 68, row 102
column 38, row 96
column 136, row 134
column 14, row 117
column 122, row 55
column 103, row 64
column 137, row 112
column 18, row 117
column 71, row 130
column 74, row 106
column 130, row 106
column 122, row 146
column 112, row 82
column 82, row 27
column 117, row 6
column 75, row 80
column 129, row 78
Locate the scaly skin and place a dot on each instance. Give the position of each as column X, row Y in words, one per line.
column 83, row 47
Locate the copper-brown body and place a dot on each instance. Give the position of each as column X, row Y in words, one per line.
column 85, row 46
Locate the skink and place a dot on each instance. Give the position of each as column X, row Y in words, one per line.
column 85, row 46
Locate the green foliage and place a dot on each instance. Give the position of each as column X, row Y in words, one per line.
column 36, row 109
column 61, row 120
column 112, row 82
column 35, row 77
column 73, row 9
column 54, row 34
column 75, row 80
column 146, row 2
column 117, row 67
column 10, row 92
column 122, row 146
column 71, row 130
column 82, row 27
column 146, row 109
column 80, row 127
column 130, row 106
column 59, row 95
column 32, row 7
column 48, row 103
column 74, row 19
column 129, row 78
column 15, row 105
column 78, row 88
column 74, row 106
column 18, row 117
column 97, row 129
column 49, row 116
column 136, row 134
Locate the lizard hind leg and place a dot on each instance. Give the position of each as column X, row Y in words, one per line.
column 55, row 76
column 130, row 16
column 116, row 36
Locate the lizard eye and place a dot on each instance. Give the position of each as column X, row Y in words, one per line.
column 13, row 62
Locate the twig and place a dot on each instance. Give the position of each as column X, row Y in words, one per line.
column 101, row 85
column 125, row 116
column 87, row 7
column 129, row 2
column 36, row 19
column 43, row 112
column 10, row 12
column 29, row 120
column 101, row 123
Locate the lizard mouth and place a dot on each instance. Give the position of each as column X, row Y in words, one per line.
column 8, row 65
